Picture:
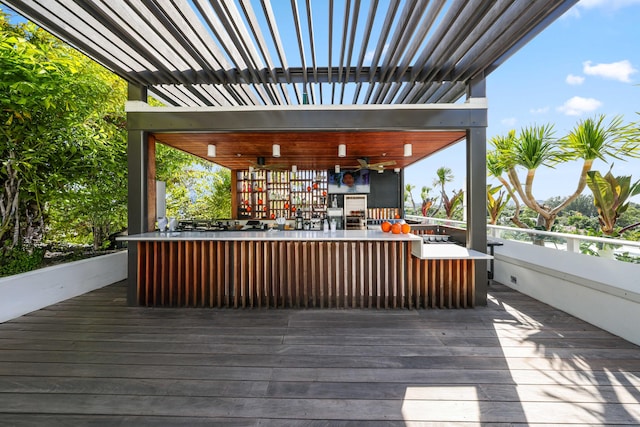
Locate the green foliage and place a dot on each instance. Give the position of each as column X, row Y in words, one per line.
column 214, row 198
column 535, row 146
column 592, row 139
column 581, row 222
column 451, row 204
column 195, row 188
column 20, row 260
column 408, row 196
column 583, row 204
column 626, row 257
column 60, row 112
column 427, row 200
column 630, row 216
column 611, row 196
column 496, row 205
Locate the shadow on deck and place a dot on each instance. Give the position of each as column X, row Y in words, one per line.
column 93, row 360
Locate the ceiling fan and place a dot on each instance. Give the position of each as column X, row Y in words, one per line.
column 364, row 164
column 260, row 165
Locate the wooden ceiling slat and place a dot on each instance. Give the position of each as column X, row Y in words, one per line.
column 311, row 150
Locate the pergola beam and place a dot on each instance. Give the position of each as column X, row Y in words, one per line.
column 308, row 118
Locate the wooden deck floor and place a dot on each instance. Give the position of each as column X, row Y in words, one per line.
column 92, row 360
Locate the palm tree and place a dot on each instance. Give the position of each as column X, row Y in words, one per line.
column 496, row 167
column 589, row 140
column 408, row 195
column 444, row 175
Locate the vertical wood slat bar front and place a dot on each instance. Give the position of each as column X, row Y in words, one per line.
column 294, row 274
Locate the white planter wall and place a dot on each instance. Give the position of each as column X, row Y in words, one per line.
column 603, row 292
column 23, row 293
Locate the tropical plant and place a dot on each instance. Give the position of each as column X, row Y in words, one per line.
column 453, row 204
column 536, row 146
column 611, row 196
column 495, row 205
column 427, row 200
column 496, row 167
column 444, row 175
column 408, row 195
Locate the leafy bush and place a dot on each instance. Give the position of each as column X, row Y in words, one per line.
column 20, row 260
column 626, row 257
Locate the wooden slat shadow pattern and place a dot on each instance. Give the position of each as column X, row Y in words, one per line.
column 309, row 274
column 93, row 361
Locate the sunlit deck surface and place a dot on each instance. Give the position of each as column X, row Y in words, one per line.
column 93, row 360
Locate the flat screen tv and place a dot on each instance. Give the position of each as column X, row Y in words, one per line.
column 349, row 181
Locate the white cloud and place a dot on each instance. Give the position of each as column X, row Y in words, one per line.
column 578, row 105
column 620, row 70
column 509, row 121
column 541, row 110
column 574, row 80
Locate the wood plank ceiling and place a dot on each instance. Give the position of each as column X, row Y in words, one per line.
column 264, row 52
column 312, row 150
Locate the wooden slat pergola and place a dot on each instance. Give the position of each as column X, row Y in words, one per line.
column 229, row 67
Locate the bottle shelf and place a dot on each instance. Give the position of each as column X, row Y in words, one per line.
column 265, row 194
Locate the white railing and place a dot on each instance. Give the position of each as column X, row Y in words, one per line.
column 604, row 246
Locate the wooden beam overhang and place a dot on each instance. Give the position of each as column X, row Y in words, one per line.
column 308, row 118
column 310, row 135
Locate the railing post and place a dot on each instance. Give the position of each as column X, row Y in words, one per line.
column 573, row 245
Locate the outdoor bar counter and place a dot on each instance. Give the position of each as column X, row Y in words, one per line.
column 341, row 269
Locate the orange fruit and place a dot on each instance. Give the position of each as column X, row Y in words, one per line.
column 406, row 228
column 397, row 216
column 396, row 228
column 386, row 226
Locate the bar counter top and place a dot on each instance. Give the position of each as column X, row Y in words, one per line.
column 289, row 268
column 272, row 235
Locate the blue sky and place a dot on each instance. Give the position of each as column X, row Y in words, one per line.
column 584, row 64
